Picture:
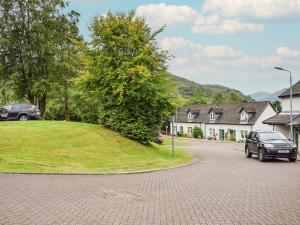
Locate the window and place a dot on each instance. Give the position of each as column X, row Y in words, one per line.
column 190, row 130
column 15, row 108
column 244, row 116
column 212, row 116
column 190, row 116
column 181, row 129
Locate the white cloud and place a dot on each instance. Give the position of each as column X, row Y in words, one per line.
column 262, row 9
column 188, row 48
column 286, row 52
column 213, row 24
column 158, row 15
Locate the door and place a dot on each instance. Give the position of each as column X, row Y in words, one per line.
column 13, row 112
column 254, row 147
column 222, row 134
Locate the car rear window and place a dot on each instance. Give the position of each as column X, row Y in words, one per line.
column 24, row 107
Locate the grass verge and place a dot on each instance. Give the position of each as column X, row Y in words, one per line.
column 52, row 146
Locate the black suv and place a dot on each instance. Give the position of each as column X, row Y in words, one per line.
column 270, row 144
column 19, row 112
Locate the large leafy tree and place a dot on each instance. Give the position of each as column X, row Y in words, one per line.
column 33, row 34
column 129, row 71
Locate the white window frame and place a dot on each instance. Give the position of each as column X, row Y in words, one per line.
column 212, row 132
column 244, row 116
column 212, row 116
column 190, row 116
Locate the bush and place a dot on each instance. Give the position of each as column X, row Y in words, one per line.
column 197, row 132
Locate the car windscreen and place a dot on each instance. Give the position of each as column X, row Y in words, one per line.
column 271, row 136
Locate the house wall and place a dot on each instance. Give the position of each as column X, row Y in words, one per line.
column 185, row 127
column 226, row 127
column 286, row 104
column 267, row 113
column 285, row 130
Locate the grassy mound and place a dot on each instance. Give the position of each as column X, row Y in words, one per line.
column 48, row 146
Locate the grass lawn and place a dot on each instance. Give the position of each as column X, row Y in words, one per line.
column 168, row 141
column 52, row 146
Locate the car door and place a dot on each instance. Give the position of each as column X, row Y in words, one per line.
column 254, row 144
column 13, row 113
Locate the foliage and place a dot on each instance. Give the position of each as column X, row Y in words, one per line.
column 50, row 146
column 197, row 132
column 277, row 106
column 198, row 97
column 128, row 71
column 218, row 98
column 33, row 39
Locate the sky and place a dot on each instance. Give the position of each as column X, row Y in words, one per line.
column 235, row 43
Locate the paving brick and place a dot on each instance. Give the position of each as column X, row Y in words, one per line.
column 223, row 187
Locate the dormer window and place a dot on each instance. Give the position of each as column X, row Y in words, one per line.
column 190, row 116
column 212, row 116
column 244, row 116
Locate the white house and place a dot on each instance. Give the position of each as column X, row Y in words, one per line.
column 225, row 121
column 281, row 122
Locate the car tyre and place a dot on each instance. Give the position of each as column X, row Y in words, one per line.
column 261, row 155
column 293, row 159
column 247, row 152
column 23, row 117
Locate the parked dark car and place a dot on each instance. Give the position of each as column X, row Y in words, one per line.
column 270, row 144
column 19, row 112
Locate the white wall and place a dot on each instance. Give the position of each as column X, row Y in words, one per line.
column 226, row 127
column 185, row 127
column 286, row 104
column 285, row 130
column 268, row 113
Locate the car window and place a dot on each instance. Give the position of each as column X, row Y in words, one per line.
column 271, row 136
column 15, row 108
column 250, row 135
column 24, row 107
column 7, row 107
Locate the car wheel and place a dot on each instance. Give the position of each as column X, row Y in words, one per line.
column 23, row 118
column 261, row 155
column 247, row 152
column 293, row 159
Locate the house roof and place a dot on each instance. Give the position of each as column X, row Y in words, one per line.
column 228, row 113
column 281, row 119
column 295, row 91
column 217, row 110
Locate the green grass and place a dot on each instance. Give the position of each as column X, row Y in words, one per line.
column 52, row 146
column 168, row 141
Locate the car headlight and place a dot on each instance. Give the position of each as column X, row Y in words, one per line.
column 294, row 145
column 268, row 146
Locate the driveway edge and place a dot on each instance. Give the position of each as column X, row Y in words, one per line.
column 114, row 173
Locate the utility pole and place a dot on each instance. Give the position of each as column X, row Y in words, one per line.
column 172, row 136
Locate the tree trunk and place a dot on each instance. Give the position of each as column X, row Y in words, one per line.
column 42, row 105
column 66, row 102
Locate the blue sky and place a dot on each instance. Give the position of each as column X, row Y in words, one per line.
column 235, row 43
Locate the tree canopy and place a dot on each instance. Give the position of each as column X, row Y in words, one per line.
column 129, row 71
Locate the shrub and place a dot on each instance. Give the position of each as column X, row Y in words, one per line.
column 197, row 132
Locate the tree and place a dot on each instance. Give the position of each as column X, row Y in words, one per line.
column 30, row 40
column 198, row 97
column 234, row 97
column 277, row 106
column 129, row 71
column 218, row 98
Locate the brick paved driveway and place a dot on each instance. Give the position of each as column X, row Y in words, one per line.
column 222, row 188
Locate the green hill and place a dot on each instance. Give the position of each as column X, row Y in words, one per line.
column 52, row 146
column 187, row 87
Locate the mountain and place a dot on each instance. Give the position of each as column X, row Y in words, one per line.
column 186, row 88
column 266, row 96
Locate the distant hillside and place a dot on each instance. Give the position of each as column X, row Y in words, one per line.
column 266, row 96
column 187, row 87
